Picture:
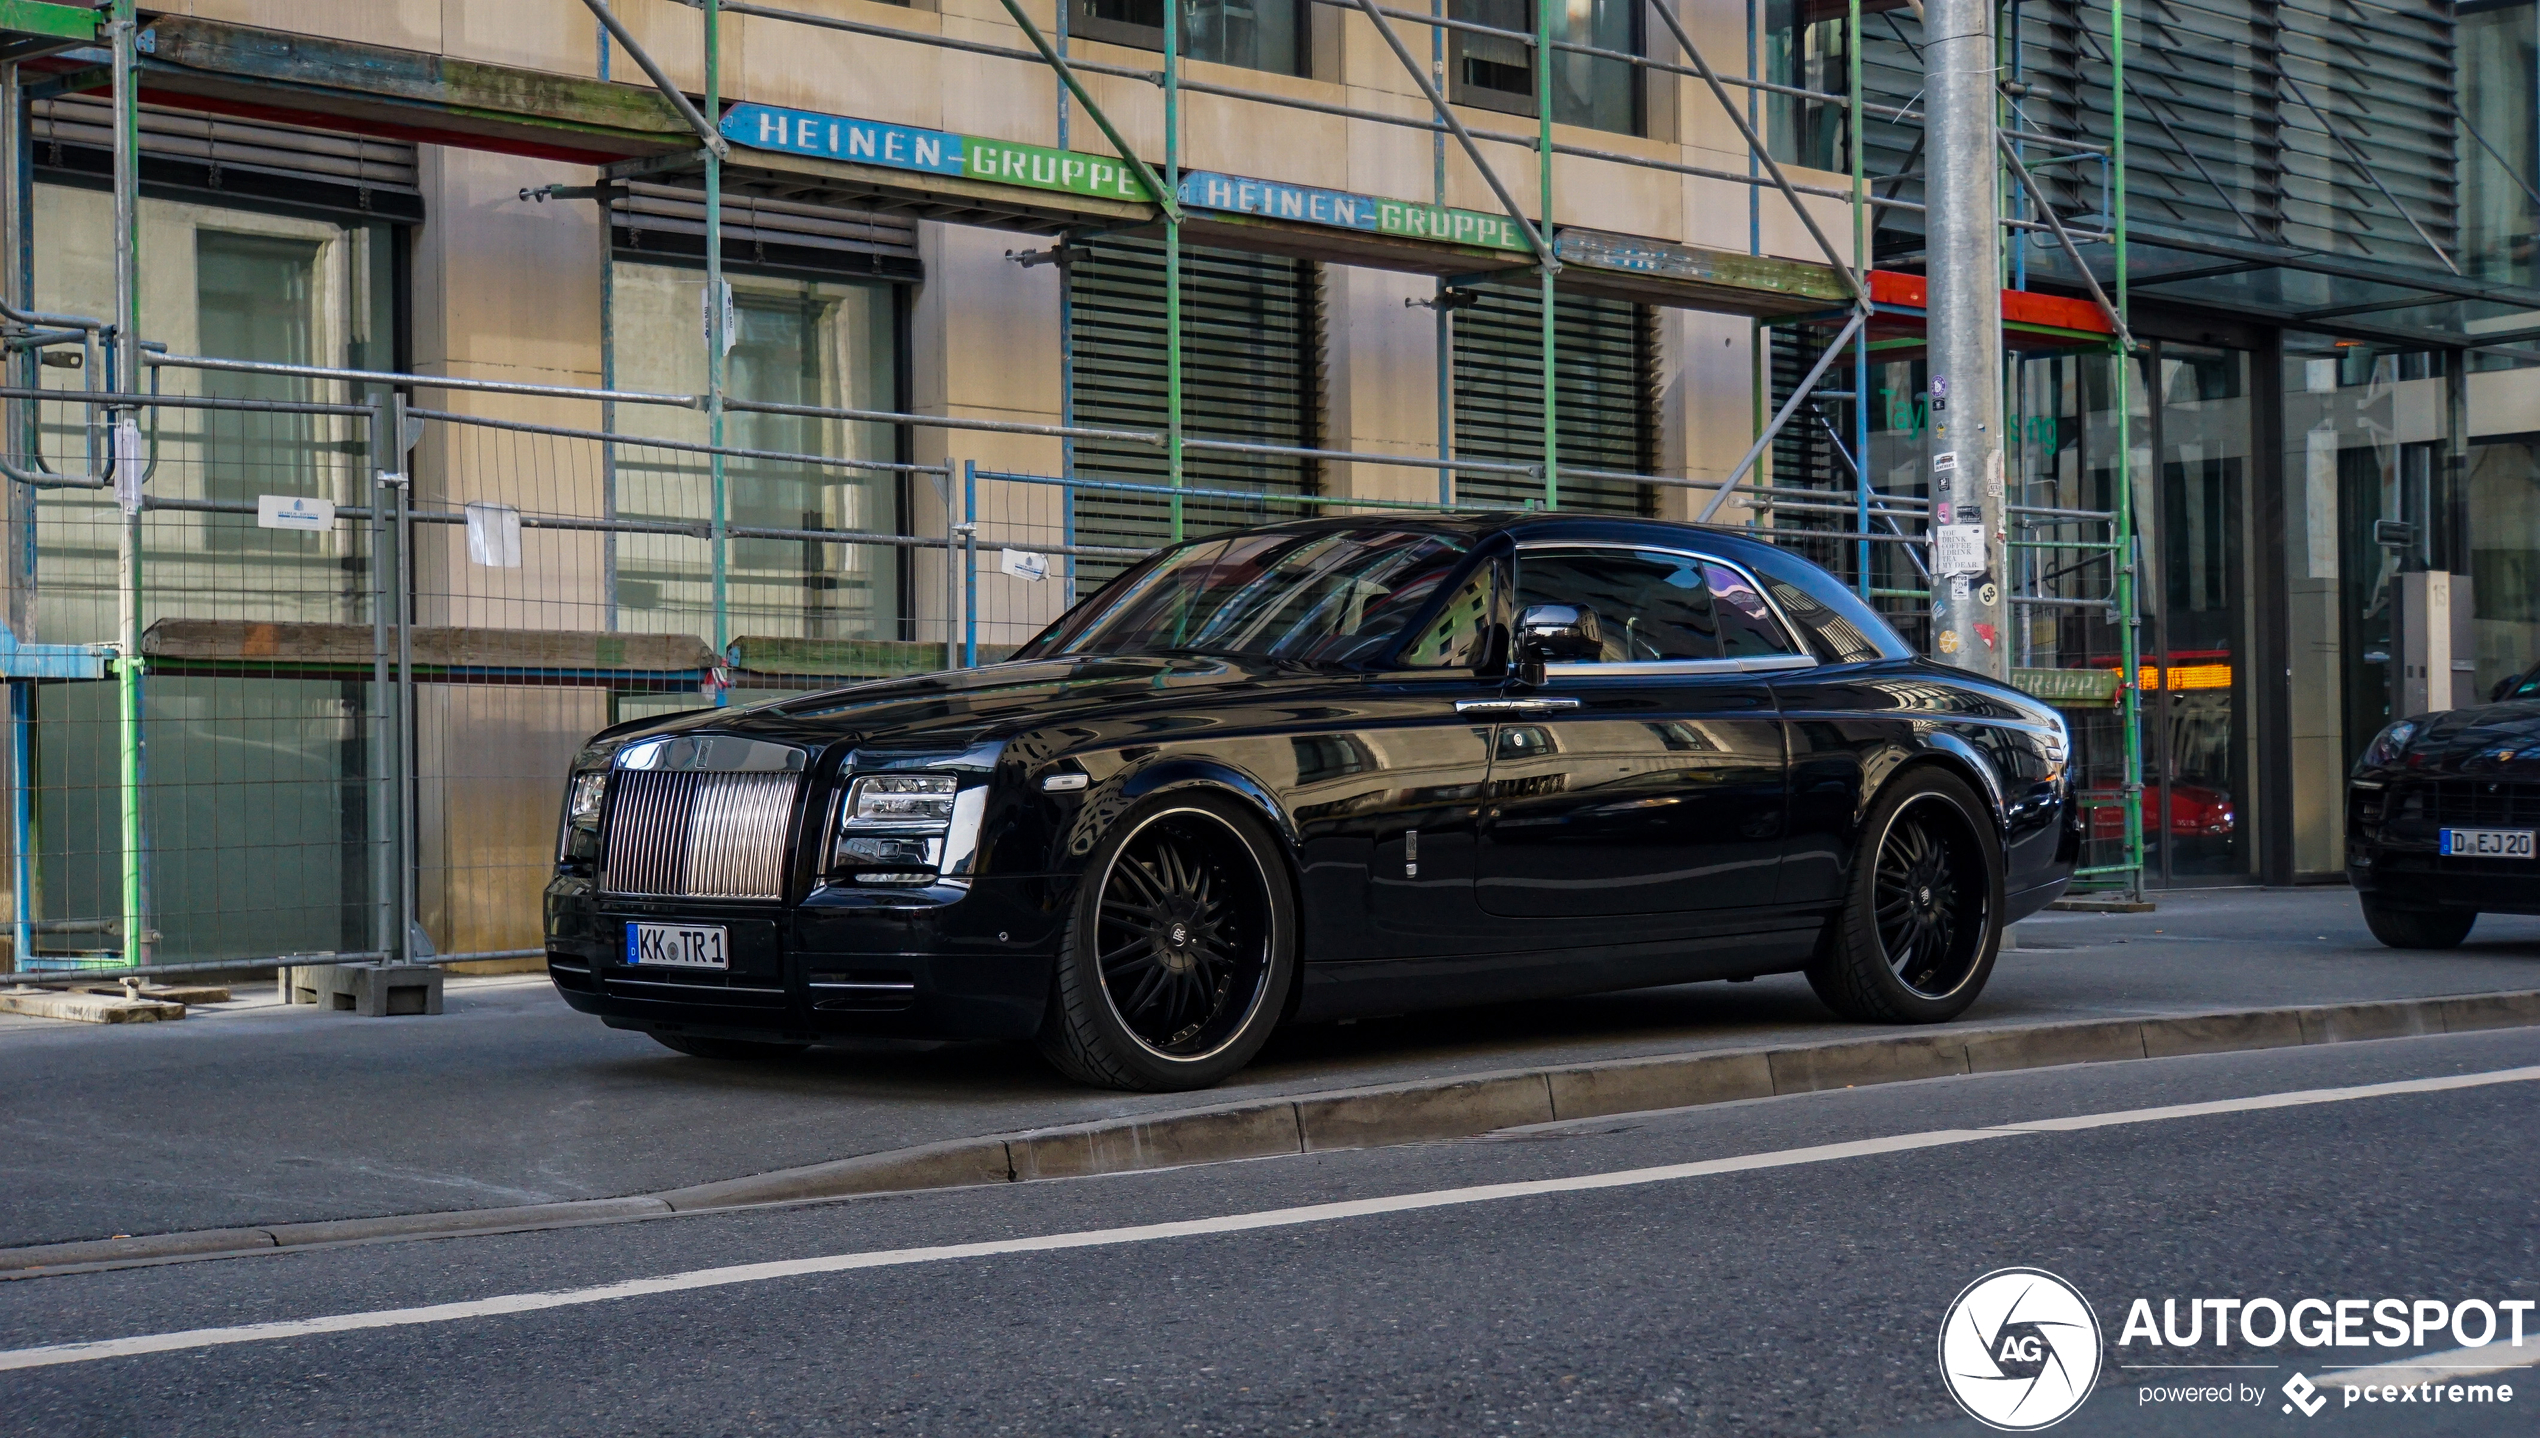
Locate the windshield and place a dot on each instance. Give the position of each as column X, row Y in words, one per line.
column 1322, row 597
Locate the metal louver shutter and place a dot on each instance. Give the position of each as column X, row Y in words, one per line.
column 666, row 220
column 1604, row 361
column 248, row 159
column 2245, row 121
column 1252, row 350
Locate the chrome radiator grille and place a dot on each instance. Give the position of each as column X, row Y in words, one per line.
column 684, row 834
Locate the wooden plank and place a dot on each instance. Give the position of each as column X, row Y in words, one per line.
column 1689, row 277
column 836, row 658
column 59, row 22
column 1334, row 245
column 233, row 641
column 403, row 94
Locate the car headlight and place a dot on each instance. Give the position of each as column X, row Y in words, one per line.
column 900, row 828
column 582, row 802
column 583, row 795
column 2388, row 745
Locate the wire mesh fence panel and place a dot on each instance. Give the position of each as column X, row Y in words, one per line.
column 567, row 581
column 257, row 756
column 1026, row 563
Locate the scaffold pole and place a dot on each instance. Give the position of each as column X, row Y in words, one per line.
column 128, row 464
column 2129, row 619
column 1551, row 317
column 718, row 343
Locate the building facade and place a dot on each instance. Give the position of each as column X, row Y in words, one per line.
column 2328, row 265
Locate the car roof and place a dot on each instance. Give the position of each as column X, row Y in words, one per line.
column 1537, row 526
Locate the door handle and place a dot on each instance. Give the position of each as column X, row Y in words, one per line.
column 1513, row 706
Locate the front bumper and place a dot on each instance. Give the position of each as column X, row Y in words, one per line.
column 2419, row 878
column 842, row 964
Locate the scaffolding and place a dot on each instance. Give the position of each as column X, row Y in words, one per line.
column 2066, row 557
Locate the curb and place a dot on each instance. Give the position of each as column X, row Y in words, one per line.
column 1418, row 1111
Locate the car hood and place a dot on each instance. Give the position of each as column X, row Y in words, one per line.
column 962, row 707
column 2493, row 739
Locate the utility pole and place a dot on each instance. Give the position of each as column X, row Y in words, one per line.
column 1970, row 580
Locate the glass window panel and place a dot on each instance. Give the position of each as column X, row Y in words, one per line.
column 1747, row 627
column 1255, row 34
column 1459, row 637
column 795, row 341
column 1497, row 72
column 1649, row 604
column 2499, row 50
column 1805, row 47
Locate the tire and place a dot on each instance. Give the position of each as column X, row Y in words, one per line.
column 1178, row 953
column 728, row 1050
column 2417, row 928
column 1921, row 922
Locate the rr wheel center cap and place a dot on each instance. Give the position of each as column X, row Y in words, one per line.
column 1177, row 939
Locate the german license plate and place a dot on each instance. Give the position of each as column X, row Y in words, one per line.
column 2487, row 843
column 678, row 946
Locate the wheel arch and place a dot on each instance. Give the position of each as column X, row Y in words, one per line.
column 1951, row 755
column 1186, row 775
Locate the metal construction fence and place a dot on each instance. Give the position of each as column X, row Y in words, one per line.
column 304, row 660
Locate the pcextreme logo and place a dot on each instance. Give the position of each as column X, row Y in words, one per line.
column 2019, row 1349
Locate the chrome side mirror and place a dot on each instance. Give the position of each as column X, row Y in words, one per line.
column 1556, row 634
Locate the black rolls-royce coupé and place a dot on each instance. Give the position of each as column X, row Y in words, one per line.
column 1337, row 767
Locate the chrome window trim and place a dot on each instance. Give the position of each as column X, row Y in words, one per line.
column 1797, row 658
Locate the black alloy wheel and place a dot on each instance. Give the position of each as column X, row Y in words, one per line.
column 1180, row 953
column 1928, row 928
column 1920, row 927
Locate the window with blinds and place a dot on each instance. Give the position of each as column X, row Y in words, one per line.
column 654, row 221
column 1252, row 347
column 246, row 160
column 1606, row 367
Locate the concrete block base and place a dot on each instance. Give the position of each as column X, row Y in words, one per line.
column 371, row 990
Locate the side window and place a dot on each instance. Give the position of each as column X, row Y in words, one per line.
column 1650, row 604
column 1458, row 637
column 1838, row 638
column 1747, row 627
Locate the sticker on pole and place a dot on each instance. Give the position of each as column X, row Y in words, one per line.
column 493, row 536
column 1957, row 549
column 1945, row 462
column 1024, row 564
column 294, row 511
column 132, row 465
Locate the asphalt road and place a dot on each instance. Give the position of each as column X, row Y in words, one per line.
column 1802, row 1294
column 275, row 1115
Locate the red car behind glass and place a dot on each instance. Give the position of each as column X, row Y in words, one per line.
column 2195, row 811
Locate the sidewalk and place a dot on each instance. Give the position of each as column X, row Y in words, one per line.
column 256, row 1114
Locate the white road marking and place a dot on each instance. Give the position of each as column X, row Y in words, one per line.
column 59, row 1353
